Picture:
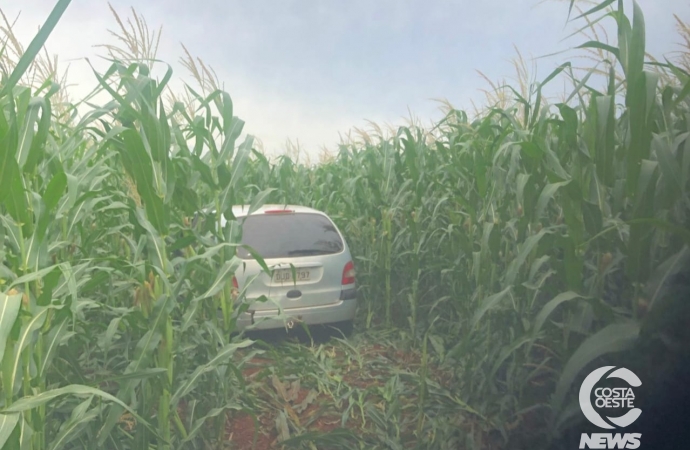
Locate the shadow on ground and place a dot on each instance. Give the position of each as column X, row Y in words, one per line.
column 312, row 335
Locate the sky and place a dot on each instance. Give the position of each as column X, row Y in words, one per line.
column 309, row 71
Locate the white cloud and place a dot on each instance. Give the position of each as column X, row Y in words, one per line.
column 309, row 71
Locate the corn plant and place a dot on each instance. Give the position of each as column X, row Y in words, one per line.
column 515, row 247
column 528, row 216
column 110, row 310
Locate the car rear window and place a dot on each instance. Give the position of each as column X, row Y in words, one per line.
column 290, row 235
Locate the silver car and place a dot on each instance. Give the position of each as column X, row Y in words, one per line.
column 304, row 242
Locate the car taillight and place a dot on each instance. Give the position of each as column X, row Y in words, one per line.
column 349, row 273
column 278, row 211
column 234, row 283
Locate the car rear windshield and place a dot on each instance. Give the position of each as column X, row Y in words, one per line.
column 289, row 235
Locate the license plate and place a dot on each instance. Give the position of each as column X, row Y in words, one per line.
column 285, row 275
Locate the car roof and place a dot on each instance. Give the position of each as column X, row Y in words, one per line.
column 242, row 210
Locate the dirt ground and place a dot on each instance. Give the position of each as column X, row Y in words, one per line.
column 332, row 391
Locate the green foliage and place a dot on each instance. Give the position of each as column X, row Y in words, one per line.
column 522, row 245
column 527, row 236
column 100, row 286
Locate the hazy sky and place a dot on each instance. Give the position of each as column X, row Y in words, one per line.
column 308, row 70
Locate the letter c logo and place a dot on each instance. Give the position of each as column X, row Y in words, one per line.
column 586, row 391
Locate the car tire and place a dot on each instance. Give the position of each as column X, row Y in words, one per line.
column 345, row 328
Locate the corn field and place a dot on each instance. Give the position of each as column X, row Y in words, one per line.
column 497, row 256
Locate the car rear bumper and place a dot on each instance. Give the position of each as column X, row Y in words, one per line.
column 339, row 311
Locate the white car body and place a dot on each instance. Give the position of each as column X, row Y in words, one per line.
column 288, row 236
